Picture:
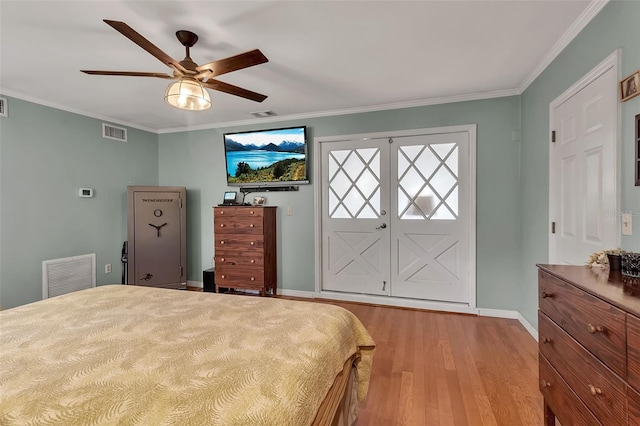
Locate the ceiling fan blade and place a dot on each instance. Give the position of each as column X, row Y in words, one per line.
column 138, row 39
column 234, row 63
column 233, row 90
column 128, row 73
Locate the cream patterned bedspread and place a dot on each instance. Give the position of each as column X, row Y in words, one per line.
column 136, row 355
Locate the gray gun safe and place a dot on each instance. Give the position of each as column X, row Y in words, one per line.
column 157, row 235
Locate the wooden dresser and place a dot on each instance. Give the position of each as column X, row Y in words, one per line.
column 245, row 248
column 589, row 342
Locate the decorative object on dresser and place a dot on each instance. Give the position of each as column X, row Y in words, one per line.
column 606, row 258
column 631, row 265
column 589, row 340
column 245, row 248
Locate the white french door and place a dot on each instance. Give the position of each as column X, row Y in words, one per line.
column 397, row 215
column 354, row 209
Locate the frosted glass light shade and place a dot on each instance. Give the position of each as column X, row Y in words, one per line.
column 188, row 94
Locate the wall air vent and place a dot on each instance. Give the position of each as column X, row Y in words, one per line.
column 262, row 114
column 4, row 108
column 113, row 132
column 61, row 276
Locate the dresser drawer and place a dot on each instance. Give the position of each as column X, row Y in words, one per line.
column 597, row 325
column 633, row 351
column 238, row 225
column 238, row 211
column 233, row 242
column 564, row 403
column 597, row 386
column 634, row 407
column 243, row 259
column 233, row 276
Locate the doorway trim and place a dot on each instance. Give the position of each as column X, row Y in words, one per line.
column 610, row 62
column 470, row 307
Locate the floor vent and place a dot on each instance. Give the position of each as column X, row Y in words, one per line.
column 4, row 108
column 113, row 132
column 61, row 276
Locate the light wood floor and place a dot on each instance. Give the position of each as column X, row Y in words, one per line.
column 434, row 368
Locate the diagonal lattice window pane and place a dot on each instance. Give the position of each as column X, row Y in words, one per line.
column 355, row 184
column 367, row 183
column 442, row 181
column 443, row 149
column 427, row 163
column 353, row 166
column 427, row 182
column 340, row 184
column 452, row 162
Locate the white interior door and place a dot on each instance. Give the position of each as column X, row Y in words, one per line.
column 398, row 215
column 354, row 211
column 430, row 230
column 583, row 177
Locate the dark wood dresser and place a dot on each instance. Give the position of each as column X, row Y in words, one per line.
column 589, row 343
column 245, row 248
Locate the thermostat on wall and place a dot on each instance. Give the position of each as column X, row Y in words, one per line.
column 85, row 192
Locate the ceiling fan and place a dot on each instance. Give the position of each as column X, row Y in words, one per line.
column 188, row 91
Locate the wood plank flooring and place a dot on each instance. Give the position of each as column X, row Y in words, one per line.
column 434, row 368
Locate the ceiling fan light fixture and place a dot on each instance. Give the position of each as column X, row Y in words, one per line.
column 188, row 94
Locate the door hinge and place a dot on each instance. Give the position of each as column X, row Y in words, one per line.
column 180, row 202
column 553, row 136
column 553, row 227
column 181, row 272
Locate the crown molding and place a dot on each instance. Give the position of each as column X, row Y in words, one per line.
column 585, row 17
column 347, row 111
column 33, row 99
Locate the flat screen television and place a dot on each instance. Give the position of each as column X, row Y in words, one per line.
column 267, row 158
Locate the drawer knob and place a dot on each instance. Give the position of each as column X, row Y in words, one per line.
column 221, row 241
column 222, row 225
column 223, row 276
column 253, row 278
column 545, row 384
column 222, row 259
column 594, row 390
column 251, row 211
column 545, row 340
column 545, row 294
column 252, row 243
column 593, row 329
column 251, row 226
column 221, row 211
column 253, row 261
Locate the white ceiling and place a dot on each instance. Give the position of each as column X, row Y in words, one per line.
column 324, row 56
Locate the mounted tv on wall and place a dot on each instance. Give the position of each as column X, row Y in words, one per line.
column 267, row 158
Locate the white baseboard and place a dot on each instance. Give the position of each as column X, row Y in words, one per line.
column 527, row 326
column 197, row 284
column 296, row 293
column 398, row 302
column 410, row 303
column 498, row 313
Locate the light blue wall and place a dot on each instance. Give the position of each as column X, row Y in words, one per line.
column 616, row 26
column 46, row 155
column 196, row 160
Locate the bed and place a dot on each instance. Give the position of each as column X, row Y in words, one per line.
column 138, row 355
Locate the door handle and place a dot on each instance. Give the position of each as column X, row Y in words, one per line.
column 384, row 225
